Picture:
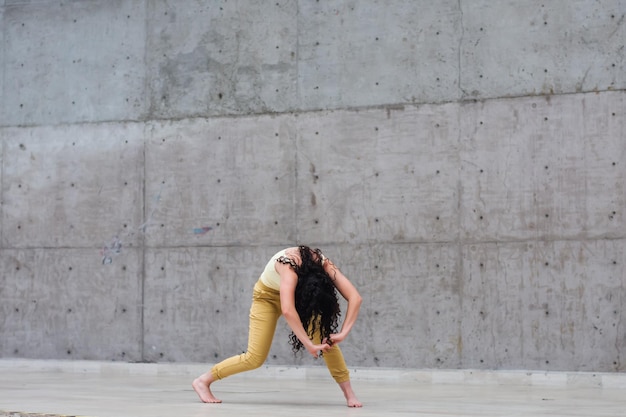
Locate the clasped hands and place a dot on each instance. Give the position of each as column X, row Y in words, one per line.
column 318, row 350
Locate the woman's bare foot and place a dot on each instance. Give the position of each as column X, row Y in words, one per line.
column 351, row 398
column 201, row 385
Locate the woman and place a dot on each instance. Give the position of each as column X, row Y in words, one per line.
column 300, row 283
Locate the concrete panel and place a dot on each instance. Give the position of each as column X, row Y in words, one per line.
column 64, row 304
column 221, row 182
column 72, row 186
column 378, row 175
column 411, row 293
column 215, row 58
column 370, row 53
column 513, row 48
column 544, row 167
column 197, row 302
column 73, row 61
column 544, row 305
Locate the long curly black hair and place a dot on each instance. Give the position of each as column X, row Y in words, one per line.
column 315, row 298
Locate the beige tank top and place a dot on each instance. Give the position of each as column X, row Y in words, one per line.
column 270, row 277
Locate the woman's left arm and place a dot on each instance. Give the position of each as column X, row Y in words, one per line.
column 349, row 292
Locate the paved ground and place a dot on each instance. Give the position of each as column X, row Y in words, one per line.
column 136, row 390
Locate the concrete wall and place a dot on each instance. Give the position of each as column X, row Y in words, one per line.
column 461, row 161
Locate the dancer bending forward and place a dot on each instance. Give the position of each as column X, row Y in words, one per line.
column 301, row 284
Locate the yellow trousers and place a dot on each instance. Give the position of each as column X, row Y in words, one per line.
column 264, row 314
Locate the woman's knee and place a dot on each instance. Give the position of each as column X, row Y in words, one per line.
column 254, row 361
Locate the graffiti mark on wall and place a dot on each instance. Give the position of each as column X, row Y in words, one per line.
column 201, row 230
column 110, row 250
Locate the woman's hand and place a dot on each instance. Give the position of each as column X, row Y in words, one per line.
column 316, row 350
column 336, row 338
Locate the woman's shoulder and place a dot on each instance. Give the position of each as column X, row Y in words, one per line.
column 290, row 256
